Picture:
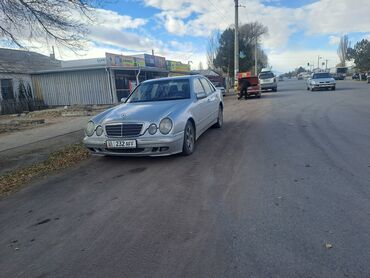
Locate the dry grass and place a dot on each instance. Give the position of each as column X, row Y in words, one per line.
column 62, row 159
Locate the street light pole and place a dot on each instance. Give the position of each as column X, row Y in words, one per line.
column 255, row 58
column 236, row 45
column 318, row 61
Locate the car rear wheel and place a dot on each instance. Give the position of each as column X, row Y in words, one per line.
column 333, row 88
column 189, row 139
column 220, row 118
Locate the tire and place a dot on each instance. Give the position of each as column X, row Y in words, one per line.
column 333, row 88
column 312, row 89
column 220, row 118
column 274, row 90
column 308, row 88
column 189, row 139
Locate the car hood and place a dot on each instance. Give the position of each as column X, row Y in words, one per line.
column 144, row 111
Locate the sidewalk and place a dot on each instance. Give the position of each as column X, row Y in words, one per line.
column 26, row 137
column 25, row 148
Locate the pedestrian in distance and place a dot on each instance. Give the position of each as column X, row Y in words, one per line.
column 244, row 89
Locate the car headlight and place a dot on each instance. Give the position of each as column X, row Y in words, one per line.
column 90, row 128
column 152, row 129
column 165, row 126
column 99, row 130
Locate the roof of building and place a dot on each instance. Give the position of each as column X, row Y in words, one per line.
column 20, row 61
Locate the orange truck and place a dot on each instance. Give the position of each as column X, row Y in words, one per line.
column 254, row 89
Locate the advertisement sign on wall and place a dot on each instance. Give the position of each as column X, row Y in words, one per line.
column 116, row 60
column 155, row 61
column 177, row 66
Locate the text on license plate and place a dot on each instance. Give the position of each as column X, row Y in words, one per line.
column 121, row 144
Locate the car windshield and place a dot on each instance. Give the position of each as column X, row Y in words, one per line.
column 161, row 90
column 266, row 75
column 321, row 75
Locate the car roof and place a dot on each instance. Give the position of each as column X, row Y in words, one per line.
column 174, row 78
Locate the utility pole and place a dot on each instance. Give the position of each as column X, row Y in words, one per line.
column 255, row 58
column 236, row 47
column 326, row 64
column 318, row 61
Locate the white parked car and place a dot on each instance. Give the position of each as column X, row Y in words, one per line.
column 321, row 80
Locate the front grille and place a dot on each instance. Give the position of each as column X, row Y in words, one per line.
column 123, row 130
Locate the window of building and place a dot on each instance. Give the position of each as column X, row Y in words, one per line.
column 7, row 89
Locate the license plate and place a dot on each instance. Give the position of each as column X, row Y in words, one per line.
column 121, row 144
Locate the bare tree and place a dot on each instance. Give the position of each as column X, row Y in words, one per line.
column 342, row 51
column 212, row 48
column 61, row 21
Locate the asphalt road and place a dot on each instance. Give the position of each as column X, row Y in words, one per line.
column 282, row 190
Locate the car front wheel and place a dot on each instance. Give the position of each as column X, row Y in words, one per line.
column 220, row 118
column 189, row 139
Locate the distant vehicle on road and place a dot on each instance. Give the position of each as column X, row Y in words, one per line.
column 356, row 76
column 321, row 80
column 267, row 80
column 160, row 117
column 339, row 73
column 368, row 77
column 281, row 78
column 220, row 87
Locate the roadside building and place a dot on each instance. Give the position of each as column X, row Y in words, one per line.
column 97, row 81
column 104, row 80
column 16, row 67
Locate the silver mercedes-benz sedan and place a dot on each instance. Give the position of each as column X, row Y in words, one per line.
column 160, row 117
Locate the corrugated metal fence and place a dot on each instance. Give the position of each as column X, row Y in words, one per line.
column 73, row 87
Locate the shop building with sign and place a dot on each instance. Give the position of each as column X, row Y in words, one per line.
column 104, row 80
column 97, row 81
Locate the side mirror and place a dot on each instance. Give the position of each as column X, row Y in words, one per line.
column 123, row 99
column 201, row 95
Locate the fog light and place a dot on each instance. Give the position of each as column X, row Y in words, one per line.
column 99, row 130
column 152, row 129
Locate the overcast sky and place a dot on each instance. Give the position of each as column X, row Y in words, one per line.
column 299, row 30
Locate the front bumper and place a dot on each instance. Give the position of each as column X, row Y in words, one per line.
column 146, row 146
column 267, row 86
column 326, row 85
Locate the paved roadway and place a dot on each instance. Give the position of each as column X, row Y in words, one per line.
column 259, row 198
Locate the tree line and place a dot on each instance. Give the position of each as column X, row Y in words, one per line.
column 220, row 49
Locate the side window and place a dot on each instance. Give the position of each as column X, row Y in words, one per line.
column 212, row 86
column 198, row 88
column 206, row 86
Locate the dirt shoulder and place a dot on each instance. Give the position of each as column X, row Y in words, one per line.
column 55, row 161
